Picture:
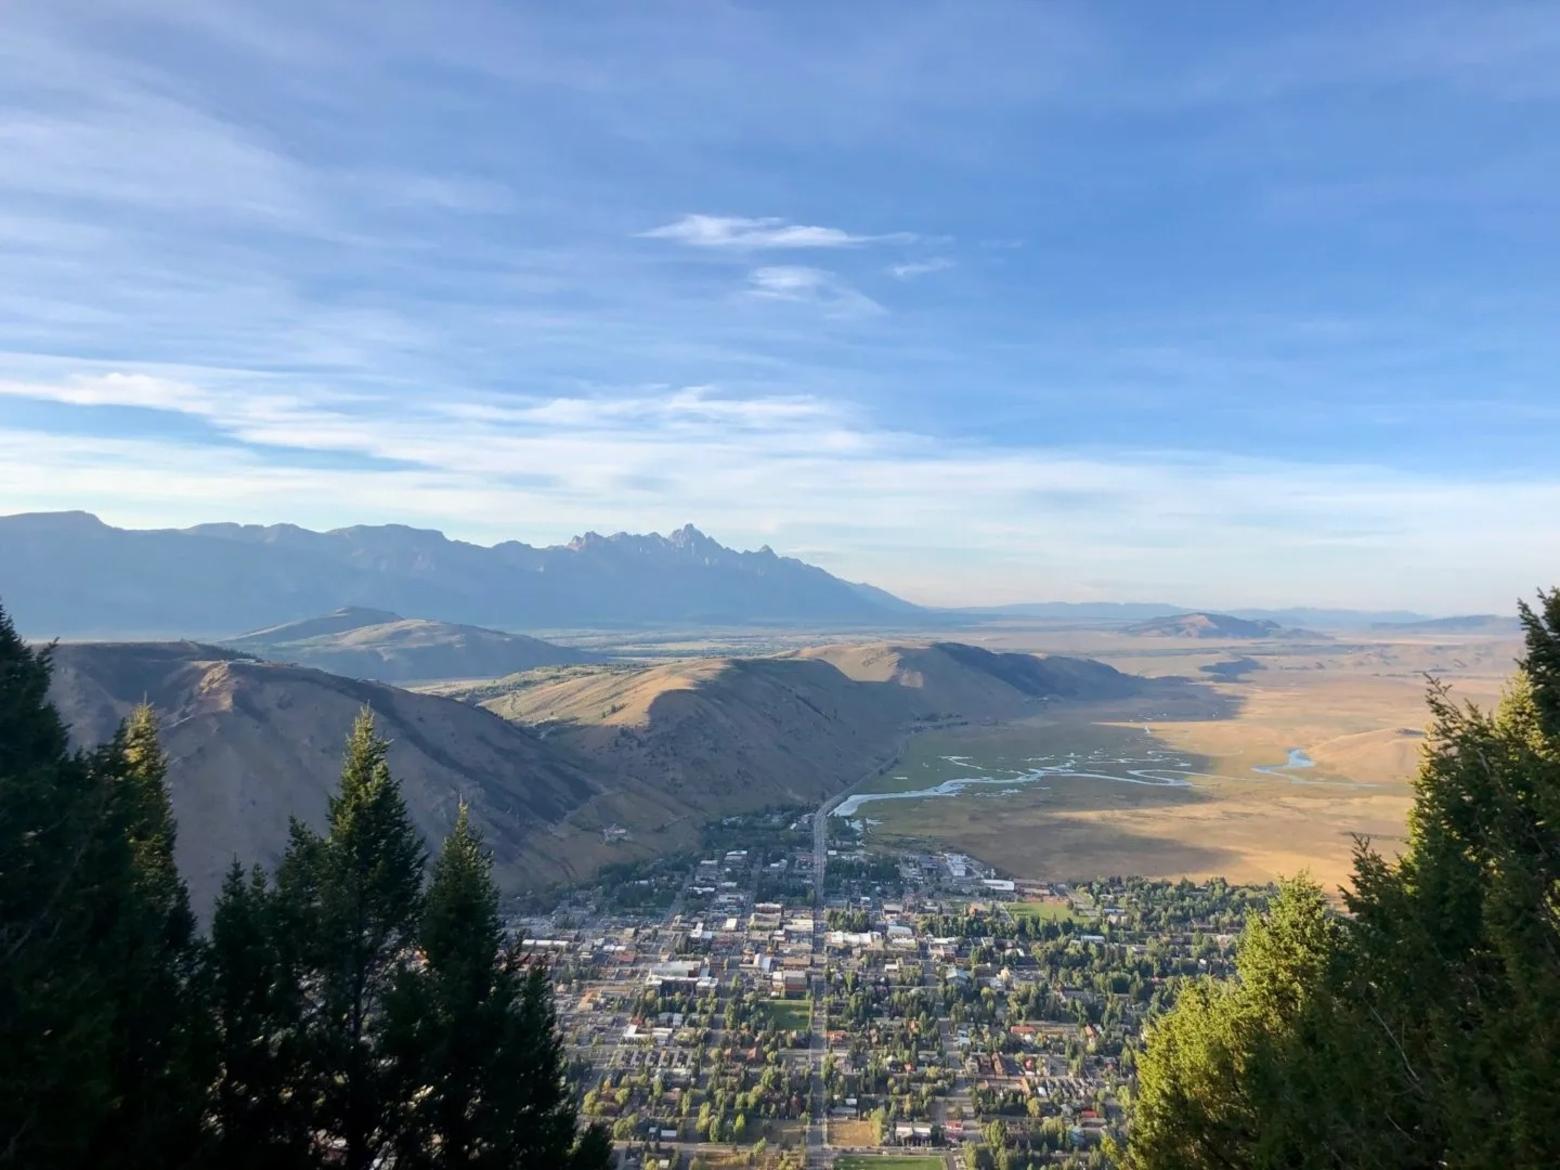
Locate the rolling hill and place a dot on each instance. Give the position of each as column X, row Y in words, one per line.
column 1473, row 623
column 252, row 744
column 67, row 574
column 377, row 644
column 1213, row 625
column 546, row 767
column 722, row 733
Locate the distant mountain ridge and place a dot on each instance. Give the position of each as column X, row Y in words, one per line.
column 1122, row 612
column 72, row 575
column 1471, row 623
column 378, row 644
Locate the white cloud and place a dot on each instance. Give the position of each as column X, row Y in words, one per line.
column 814, row 286
column 739, row 232
column 115, row 389
column 913, row 268
column 943, row 520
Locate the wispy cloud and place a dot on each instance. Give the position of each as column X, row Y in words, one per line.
column 812, row 286
column 979, row 521
column 914, row 268
column 740, row 232
column 258, row 228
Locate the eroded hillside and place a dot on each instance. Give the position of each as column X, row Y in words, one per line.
column 252, row 744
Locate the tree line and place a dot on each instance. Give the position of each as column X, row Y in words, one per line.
column 1422, row 1028
column 357, row 1008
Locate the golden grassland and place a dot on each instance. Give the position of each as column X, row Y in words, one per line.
column 853, row 1133
column 1356, row 708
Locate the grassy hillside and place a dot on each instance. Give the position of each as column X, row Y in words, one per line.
column 371, row 643
column 252, row 744
column 548, row 760
column 727, row 733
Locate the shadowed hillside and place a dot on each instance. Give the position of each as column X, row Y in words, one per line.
column 795, row 727
column 655, row 752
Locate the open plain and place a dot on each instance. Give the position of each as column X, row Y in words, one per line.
column 1268, row 769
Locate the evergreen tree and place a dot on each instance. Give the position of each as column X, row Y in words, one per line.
column 1460, row 941
column 256, row 1109
column 1425, row 1030
column 348, row 905
column 1238, row 1073
column 150, row 959
column 593, row 1151
column 475, row 1032
column 304, row 1033
column 54, row 1021
column 101, row 1043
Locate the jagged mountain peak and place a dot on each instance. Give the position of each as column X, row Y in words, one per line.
column 213, row 579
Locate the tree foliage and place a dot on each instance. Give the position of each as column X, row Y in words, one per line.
column 337, row 1015
column 1423, row 1029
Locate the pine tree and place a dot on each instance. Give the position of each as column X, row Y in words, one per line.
column 593, row 1151
column 475, row 1033
column 100, row 1014
column 150, row 964
column 256, row 1113
column 54, row 1022
column 1460, row 941
column 1423, row 1031
column 348, row 906
column 1237, row 1075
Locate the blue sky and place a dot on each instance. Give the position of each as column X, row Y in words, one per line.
column 1219, row 304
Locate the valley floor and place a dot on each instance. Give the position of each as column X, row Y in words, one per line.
column 1273, row 773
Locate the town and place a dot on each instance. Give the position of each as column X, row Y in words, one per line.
column 912, row 1011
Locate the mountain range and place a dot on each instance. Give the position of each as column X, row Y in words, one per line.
column 1116, row 613
column 68, row 574
column 1472, row 623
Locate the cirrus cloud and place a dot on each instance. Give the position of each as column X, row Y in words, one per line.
column 747, row 232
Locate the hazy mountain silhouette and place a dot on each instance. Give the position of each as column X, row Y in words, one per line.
column 69, row 574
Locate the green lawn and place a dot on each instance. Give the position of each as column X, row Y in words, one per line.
column 788, row 1015
column 889, row 1162
column 1044, row 911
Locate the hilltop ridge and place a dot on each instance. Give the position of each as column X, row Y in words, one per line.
column 377, row 644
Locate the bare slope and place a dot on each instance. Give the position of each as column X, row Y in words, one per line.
column 252, row 744
column 377, row 644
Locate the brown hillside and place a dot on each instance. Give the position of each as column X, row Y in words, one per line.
column 251, row 744
column 724, row 734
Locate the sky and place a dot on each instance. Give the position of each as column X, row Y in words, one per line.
column 1210, row 304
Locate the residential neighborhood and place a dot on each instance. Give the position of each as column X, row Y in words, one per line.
column 913, row 1010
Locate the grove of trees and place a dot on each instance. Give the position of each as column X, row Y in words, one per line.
column 350, row 1010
